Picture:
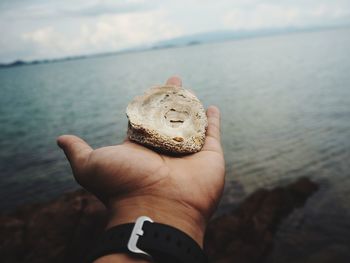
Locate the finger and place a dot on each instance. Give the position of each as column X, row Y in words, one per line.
column 77, row 150
column 213, row 114
column 213, row 134
column 174, row 80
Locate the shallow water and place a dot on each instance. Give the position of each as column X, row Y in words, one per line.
column 285, row 103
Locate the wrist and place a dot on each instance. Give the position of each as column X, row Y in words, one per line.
column 164, row 211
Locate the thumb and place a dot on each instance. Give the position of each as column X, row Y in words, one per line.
column 76, row 150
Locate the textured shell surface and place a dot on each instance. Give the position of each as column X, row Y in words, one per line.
column 169, row 118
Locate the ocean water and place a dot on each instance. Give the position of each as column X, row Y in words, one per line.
column 285, row 103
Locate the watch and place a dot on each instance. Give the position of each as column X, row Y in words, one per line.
column 147, row 239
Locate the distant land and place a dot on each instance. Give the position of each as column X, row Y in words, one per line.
column 188, row 40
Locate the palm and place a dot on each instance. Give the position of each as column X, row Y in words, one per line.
column 117, row 171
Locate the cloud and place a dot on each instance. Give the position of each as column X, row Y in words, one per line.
column 108, row 33
column 45, row 39
column 261, row 16
column 41, row 28
column 109, row 7
column 276, row 15
column 78, row 8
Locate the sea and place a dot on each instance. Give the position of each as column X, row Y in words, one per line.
column 285, row 104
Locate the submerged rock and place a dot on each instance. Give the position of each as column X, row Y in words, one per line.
column 64, row 230
column 246, row 234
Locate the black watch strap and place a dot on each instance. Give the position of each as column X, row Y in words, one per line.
column 159, row 242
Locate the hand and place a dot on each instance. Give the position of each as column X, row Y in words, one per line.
column 133, row 180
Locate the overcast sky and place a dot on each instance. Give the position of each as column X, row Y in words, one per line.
column 34, row 29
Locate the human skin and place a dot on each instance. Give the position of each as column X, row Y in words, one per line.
column 132, row 180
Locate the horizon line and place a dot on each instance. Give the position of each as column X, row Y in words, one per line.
column 159, row 45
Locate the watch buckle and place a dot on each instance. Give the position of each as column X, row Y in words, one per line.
column 136, row 233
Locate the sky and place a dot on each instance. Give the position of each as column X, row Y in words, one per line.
column 37, row 29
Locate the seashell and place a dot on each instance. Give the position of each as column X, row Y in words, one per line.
column 169, row 118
